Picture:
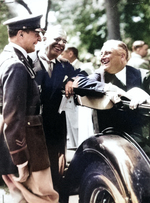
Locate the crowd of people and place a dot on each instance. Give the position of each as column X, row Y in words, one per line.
column 38, row 110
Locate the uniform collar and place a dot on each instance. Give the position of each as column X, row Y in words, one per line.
column 23, row 51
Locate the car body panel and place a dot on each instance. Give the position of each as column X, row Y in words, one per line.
column 129, row 163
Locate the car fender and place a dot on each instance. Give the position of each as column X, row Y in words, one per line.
column 128, row 161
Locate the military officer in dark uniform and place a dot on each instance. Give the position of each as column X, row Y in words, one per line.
column 24, row 162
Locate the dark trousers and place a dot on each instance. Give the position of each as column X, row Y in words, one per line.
column 57, row 162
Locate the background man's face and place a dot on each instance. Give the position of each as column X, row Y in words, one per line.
column 143, row 50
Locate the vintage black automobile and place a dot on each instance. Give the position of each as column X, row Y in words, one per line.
column 109, row 167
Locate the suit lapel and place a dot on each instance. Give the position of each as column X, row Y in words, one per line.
column 130, row 78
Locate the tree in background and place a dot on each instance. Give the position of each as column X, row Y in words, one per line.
column 135, row 20
column 113, row 19
column 84, row 21
column 91, row 22
column 95, row 21
column 4, row 15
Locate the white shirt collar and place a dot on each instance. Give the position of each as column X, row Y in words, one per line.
column 23, row 51
column 121, row 75
column 133, row 54
column 53, row 60
column 73, row 63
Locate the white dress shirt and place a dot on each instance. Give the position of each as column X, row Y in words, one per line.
column 121, row 75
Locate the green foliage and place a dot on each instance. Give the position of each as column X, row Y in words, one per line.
column 86, row 22
column 93, row 31
column 135, row 17
column 82, row 19
column 4, row 15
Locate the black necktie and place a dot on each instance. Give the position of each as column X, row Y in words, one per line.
column 109, row 77
column 30, row 61
column 114, row 80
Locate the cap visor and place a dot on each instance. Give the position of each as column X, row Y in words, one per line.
column 39, row 30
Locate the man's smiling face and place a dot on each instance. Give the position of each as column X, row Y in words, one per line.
column 58, row 46
column 111, row 59
column 56, row 43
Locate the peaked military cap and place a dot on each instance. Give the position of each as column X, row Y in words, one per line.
column 31, row 22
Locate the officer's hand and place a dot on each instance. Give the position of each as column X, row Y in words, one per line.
column 23, row 172
column 69, row 89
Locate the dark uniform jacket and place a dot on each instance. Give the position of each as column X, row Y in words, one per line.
column 21, row 133
column 125, row 121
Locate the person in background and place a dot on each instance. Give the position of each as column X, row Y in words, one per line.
column 115, row 76
column 24, row 163
column 137, row 59
column 79, row 119
column 71, row 53
column 53, row 75
column 139, row 52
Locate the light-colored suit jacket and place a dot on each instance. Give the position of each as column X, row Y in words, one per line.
column 137, row 61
